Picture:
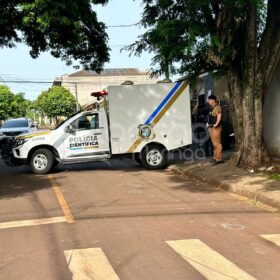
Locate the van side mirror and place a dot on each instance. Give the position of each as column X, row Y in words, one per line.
column 69, row 129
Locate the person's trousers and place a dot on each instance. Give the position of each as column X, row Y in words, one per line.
column 216, row 139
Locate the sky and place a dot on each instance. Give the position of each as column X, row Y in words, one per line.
column 17, row 65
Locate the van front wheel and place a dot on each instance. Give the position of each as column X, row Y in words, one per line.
column 154, row 157
column 42, row 161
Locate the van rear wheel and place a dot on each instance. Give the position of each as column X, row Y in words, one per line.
column 42, row 161
column 154, row 157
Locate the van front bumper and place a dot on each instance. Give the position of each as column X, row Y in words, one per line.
column 6, row 152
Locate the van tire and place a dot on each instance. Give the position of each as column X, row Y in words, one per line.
column 42, row 161
column 154, row 157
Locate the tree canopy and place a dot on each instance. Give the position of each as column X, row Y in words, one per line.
column 12, row 105
column 70, row 30
column 56, row 102
column 20, row 105
column 6, row 100
column 193, row 36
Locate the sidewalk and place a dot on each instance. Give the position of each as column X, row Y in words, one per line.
column 233, row 179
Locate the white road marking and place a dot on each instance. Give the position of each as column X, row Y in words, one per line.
column 35, row 222
column 275, row 238
column 90, row 264
column 208, row 262
column 233, row 226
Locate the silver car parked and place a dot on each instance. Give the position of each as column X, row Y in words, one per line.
column 14, row 127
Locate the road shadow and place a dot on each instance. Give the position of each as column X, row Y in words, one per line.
column 190, row 185
column 17, row 181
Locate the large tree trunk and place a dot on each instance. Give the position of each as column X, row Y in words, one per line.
column 251, row 150
column 249, row 74
column 235, row 105
column 246, row 109
column 248, row 85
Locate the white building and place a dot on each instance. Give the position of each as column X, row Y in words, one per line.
column 82, row 83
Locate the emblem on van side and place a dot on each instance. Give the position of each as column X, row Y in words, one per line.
column 146, row 131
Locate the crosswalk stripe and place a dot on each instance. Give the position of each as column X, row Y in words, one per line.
column 208, row 262
column 275, row 238
column 90, row 264
column 34, row 222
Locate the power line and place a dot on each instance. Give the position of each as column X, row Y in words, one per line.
column 26, row 82
column 123, row 25
column 51, row 82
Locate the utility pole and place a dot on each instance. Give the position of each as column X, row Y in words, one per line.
column 77, row 101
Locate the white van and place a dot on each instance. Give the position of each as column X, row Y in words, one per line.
column 146, row 121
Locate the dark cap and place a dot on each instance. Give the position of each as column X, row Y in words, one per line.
column 212, row 97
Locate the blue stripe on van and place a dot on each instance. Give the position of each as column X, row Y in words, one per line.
column 163, row 103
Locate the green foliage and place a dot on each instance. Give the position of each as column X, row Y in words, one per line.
column 19, row 105
column 12, row 105
column 276, row 177
column 56, row 102
column 191, row 36
column 32, row 111
column 6, row 101
column 68, row 29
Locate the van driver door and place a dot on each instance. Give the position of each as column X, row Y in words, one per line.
column 86, row 139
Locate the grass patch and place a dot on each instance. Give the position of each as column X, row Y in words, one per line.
column 275, row 177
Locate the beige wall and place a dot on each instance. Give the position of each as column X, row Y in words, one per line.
column 86, row 85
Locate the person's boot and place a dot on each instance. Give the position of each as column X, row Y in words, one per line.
column 217, row 162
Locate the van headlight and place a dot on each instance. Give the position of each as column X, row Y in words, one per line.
column 19, row 142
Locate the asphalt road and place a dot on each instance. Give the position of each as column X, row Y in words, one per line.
column 119, row 221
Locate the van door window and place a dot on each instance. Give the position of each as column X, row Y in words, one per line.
column 86, row 122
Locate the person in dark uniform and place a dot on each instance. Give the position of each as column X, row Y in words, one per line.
column 215, row 129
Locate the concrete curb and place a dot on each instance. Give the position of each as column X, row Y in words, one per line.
column 258, row 196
